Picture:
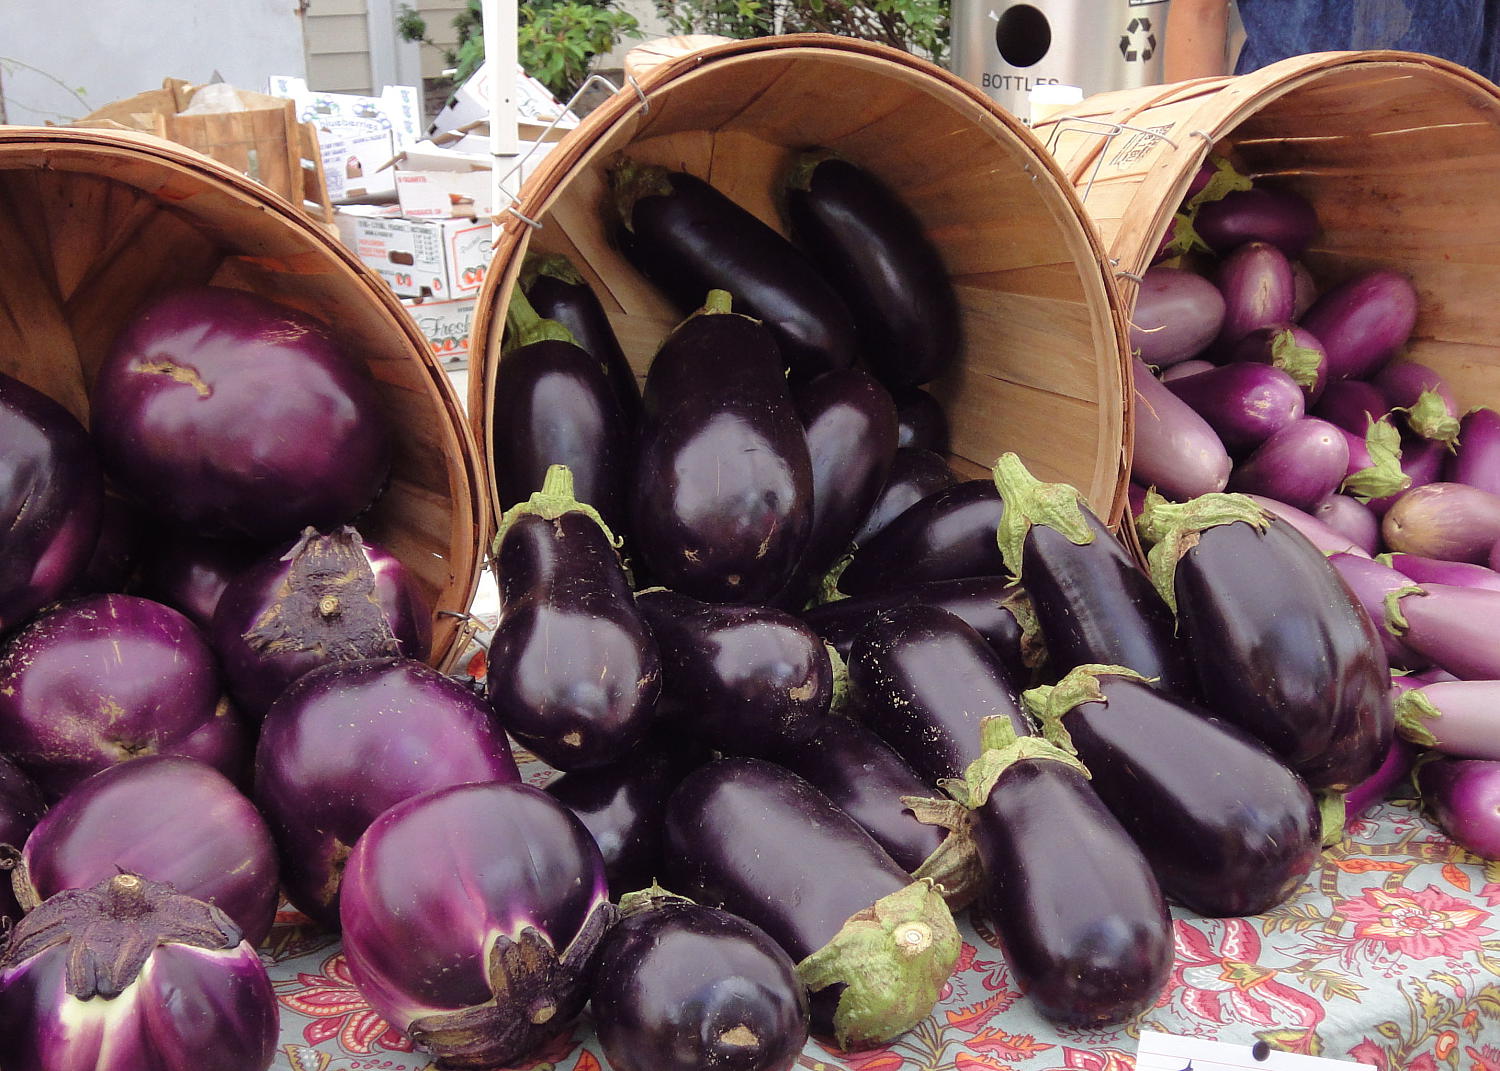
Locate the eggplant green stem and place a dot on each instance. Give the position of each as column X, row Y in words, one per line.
column 954, row 864
column 1413, row 713
column 979, row 779
column 524, row 327
column 633, row 903
column 1383, row 477
column 1226, row 180
column 1332, row 812
column 828, row 587
column 1173, row 529
column 1395, row 621
column 1033, row 647
column 553, row 500
column 1428, row 417
column 553, row 265
column 800, row 175
column 1049, row 704
column 1029, row 501
column 1302, row 363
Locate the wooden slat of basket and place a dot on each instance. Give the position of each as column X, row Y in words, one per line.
column 36, row 345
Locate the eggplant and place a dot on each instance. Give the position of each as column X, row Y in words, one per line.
column 1477, row 462
column 744, row 679
column 1350, row 519
column 682, row 987
column 1292, row 349
column 1454, row 717
column 1375, row 474
column 1245, row 404
column 920, row 420
column 1092, row 602
column 1421, row 463
column 1185, row 369
column 688, row 238
column 1258, row 288
column 1371, row 581
column 1228, row 829
column 1175, row 450
column 189, row 573
column 1351, row 404
column 872, row 945
column 1454, row 627
column 947, row 535
column 1282, row 648
column 915, row 473
column 873, row 249
column 1437, row 571
column 1363, row 321
column 559, row 292
column 1300, row 464
column 1320, row 535
column 924, row 681
column 1425, row 399
column 1397, row 766
column 723, row 499
column 1452, row 521
column 1435, row 675
column 1305, row 287
column 573, row 670
column 21, row 807
column 1463, row 798
column 1260, row 214
column 1177, row 314
column 555, row 404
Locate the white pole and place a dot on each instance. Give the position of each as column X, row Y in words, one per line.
column 499, row 22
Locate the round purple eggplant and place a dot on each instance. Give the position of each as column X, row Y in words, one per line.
column 1258, row 288
column 915, row 473
column 470, row 917
column 1244, row 403
column 1452, row 521
column 723, row 499
column 556, row 404
column 1477, row 462
column 1228, row 829
column 920, row 421
column 1092, row 602
column 682, row 987
column 1300, row 464
column 1437, row 571
column 688, row 238
column 871, row 247
column 925, row 681
column 1282, row 648
column 873, row 946
column 947, row 535
column 747, row 680
column 1351, row 404
column 1350, row 519
column 1425, row 399
column 1175, row 450
column 21, row 807
column 1177, row 314
column 116, row 556
column 1290, row 348
column 1363, row 321
column 1261, row 214
column 1320, row 535
column 348, row 740
column 573, row 670
column 1376, row 475
column 189, row 573
column 1453, row 627
column 1463, row 798
column 1371, row 582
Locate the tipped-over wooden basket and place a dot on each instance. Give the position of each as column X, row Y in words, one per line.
column 93, row 223
column 1042, row 370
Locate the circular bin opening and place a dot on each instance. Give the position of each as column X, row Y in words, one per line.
column 1023, row 35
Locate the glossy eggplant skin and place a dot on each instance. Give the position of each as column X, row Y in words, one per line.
column 1228, row 829
column 746, row 680
column 577, row 307
column 682, row 987
column 573, row 670
column 1083, row 923
column 871, row 247
column 915, row 473
column 925, row 681
column 723, row 499
column 947, row 535
column 920, row 421
column 689, row 238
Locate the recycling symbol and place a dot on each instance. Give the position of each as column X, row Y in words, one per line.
column 1138, row 43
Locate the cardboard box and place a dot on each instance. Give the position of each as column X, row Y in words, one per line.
column 470, row 104
column 420, row 258
column 451, row 176
column 357, row 135
column 446, row 325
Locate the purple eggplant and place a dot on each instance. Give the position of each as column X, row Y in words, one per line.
column 1363, row 797
column 915, row 473
column 723, row 499
column 1463, row 798
column 1177, row 314
column 683, row 987
column 1459, row 718
column 924, row 681
column 1175, row 450
column 1437, row 571
column 1282, row 648
column 470, row 916
column 1371, row 582
column 1423, row 397
column 1351, row 404
column 1326, row 539
column 744, row 679
column 920, row 420
column 1454, row 627
column 1136, row 496
column 1477, row 462
column 1228, row 829
column 559, row 292
column 1185, row 369
column 131, row 975
column 556, row 404
column 1351, row 520
column 1495, row 557
column 1261, row 214
column 348, row 740
column 1300, row 464
column 871, row 247
column 1435, row 675
column 1305, row 288
column 1421, row 463
column 1363, row 321
column 189, row 573
column 1293, row 350
column 1245, row 404
column 116, row 556
column 1092, row 602
column 1376, row 475
column 21, row 806
column 1258, row 288
column 947, row 535
column 873, row 946
column 1452, row 521
column 688, row 238
column 573, row 670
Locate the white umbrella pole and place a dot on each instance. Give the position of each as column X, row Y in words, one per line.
column 500, row 22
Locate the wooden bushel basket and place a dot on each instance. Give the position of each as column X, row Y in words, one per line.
column 93, row 223
column 1042, row 370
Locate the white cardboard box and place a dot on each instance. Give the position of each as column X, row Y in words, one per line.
column 435, row 181
column 470, row 103
column 357, row 136
column 420, row 258
column 446, row 325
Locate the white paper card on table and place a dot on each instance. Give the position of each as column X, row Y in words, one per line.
column 1170, row 1052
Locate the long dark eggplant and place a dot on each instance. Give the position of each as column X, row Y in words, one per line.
column 688, row 238
column 573, row 670
column 920, row 420
column 947, row 535
column 915, row 473
column 1228, row 829
column 873, row 946
column 555, row 405
column 1282, row 648
column 723, row 498
column 1093, row 603
column 925, row 681
column 873, row 250
column 747, row 680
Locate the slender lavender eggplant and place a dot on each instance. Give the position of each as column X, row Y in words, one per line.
column 1092, row 602
column 1435, row 675
column 1258, row 288
column 1228, row 829
column 1424, row 398
column 723, row 499
column 1300, row 464
column 1452, row 521
column 1437, row 571
column 1350, row 519
column 1261, row 214
column 1363, row 321
column 1245, row 404
column 1293, row 350
column 1175, row 450
column 1282, row 648
column 1177, row 314
column 920, row 420
column 1463, row 798
column 21, row 807
column 1477, row 462
column 688, row 238
column 873, row 946
column 1326, row 539
column 915, row 473
column 925, row 681
column 947, row 535
column 1351, row 404
column 1185, row 369
column 1455, row 717
column 873, row 250
column 1454, row 627
column 573, row 670
column 1371, row 582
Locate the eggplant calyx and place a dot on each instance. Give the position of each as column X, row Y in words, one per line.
column 631, row 181
column 1174, row 528
column 1395, row 621
column 1332, row 813
column 1428, row 417
column 954, row 864
column 1049, row 704
column 1029, row 501
column 828, row 587
column 1033, row 647
column 554, row 499
column 1413, row 711
column 113, row 928
column 524, row 326
column 978, row 781
column 1384, row 476
column 552, row 265
column 1302, row 363
column 1226, row 179
column 1185, row 237
column 838, row 703
column 634, row 903
column 892, row 959
column 800, row 175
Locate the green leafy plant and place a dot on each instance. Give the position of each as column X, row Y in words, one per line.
column 919, row 26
